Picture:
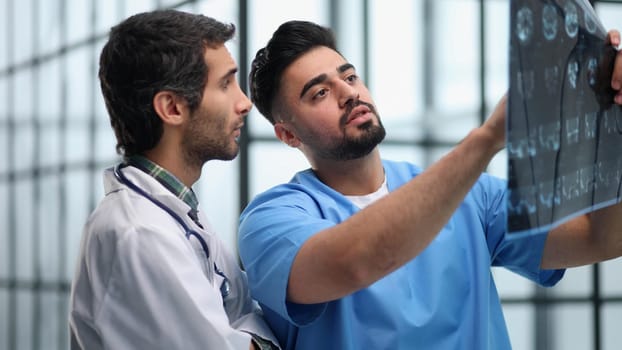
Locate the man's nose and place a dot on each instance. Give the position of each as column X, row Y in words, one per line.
column 347, row 94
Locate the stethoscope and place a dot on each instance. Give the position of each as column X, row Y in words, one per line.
column 224, row 287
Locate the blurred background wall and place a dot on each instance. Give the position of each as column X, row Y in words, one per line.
column 435, row 68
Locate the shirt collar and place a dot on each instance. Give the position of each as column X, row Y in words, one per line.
column 167, row 179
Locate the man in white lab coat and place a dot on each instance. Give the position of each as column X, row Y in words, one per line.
column 151, row 273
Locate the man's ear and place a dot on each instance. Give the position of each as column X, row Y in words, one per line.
column 285, row 135
column 170, row 107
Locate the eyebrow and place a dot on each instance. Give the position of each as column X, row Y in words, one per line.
column 230, row 72
column 320, row 78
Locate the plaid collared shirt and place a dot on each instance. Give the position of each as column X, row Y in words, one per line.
column 169, row 181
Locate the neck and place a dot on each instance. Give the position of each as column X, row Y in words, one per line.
column 174, row 163
column 353, row 177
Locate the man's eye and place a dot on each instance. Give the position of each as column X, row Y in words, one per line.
column 352, row 78
column 320, row 93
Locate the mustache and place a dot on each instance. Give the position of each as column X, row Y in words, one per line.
column 350, row 108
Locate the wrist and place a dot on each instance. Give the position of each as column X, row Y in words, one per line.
column 484, row 142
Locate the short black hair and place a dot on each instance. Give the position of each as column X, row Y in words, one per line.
column 155, row 51
column 291, row 40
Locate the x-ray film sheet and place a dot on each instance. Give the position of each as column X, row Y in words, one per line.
column 564, row 139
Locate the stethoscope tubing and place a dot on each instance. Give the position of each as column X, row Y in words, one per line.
column 224, row 288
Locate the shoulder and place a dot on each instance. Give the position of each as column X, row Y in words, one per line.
column 302, row 189
column 125, row 222
column 302, row 201
column 290, row 196
column 399, row 172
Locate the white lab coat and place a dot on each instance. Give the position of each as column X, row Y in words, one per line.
column 140, row 284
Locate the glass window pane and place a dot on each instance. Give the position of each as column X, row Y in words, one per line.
column 24, row 228
column 612, row 337
column 577, row 282
column 78, row 142
column 4, row 233
column 49, row 146
column 349, row 31
column 497, row 51
column 78, row 19
column 4, row 318
column 23, row 147
column 4, row 92
column 136, row 6
column 78, row 77
column 411, row 154
column 511, row 285
column 48, row 218
column 609, row 14
column 76, row 193
column 610, row 281
column 48, row 337
column 24, row 326
column 63, row 304
column 218, row 194
column 572, row 326
column 264, row 22
column 519, row 320
column 224, row 11
column 396, row 72
column 258, row 124
column 107, row 15
column 4, row 148
column 4, row 28
column 49, row 91
column 452, row 127
column 22, row 31
column 105, row 144
column 49, row 25
column 456, row 54
column 22, row 95
column 498, row 166
column 273, row 163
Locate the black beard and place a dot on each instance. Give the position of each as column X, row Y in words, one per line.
column 354, row 148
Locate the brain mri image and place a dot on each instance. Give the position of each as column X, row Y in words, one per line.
column 563, row 131
column 549, row 22
column 524, row 24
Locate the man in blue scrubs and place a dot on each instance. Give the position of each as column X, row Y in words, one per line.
column 359, row 252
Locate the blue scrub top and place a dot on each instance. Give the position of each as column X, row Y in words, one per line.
column 445, row 298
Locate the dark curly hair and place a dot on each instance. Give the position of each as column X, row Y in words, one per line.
column 147, row 53
column 291, row 40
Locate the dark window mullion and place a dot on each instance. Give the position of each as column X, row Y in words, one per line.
column 12, row 193
column 36, row 182
column 62, row 174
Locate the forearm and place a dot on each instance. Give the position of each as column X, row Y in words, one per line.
column 607, row 227
column 587, row 239
column 392, row 231
column 399, row 227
